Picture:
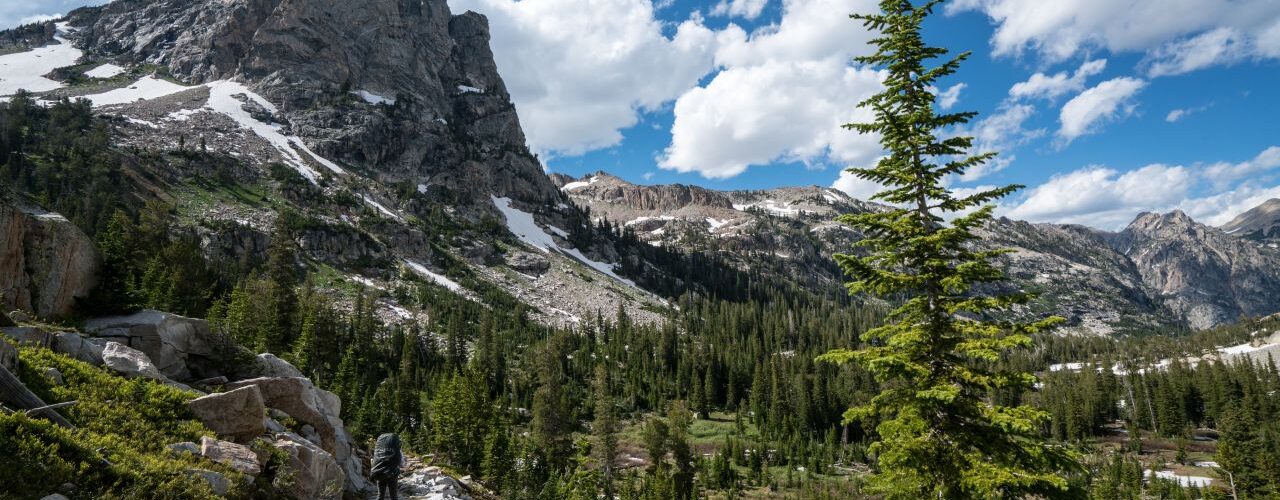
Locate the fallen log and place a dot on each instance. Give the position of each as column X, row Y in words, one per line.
column 16, row 393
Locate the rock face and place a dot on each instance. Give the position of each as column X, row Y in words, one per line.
column 46, row 263
column 1261, row 223
column 318, row 408
column 131, row 362
column 1202, row 274
column 72, row 344
column 236, row 456
column 317, row 475
column 181, row 348
column 237, row 415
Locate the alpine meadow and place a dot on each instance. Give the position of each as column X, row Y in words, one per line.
column 639, row 249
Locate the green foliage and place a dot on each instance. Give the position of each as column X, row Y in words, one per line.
column 944, row 435
column 459, row 421
column 117, row 449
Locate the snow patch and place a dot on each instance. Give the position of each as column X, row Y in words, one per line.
column 26, row 70
column 222, row 100
column 146, row 88
column 373, row 98
column 1184, row 481
column 465, row 89
column 438, row 278
column 422, row 189
column 522, row 224
column 781, row 209
column 385, row 211
column 717, row 223
column 639, row 220
column 105, row 71
column 580, row 184
column 144, row 123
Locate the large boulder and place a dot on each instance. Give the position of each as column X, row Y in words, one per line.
column 46, row 262
column 182, row 348
column 236, row 456
column 28, row 335
column 131, row 362
column 319, row 408
column 75, row 346
column 315, row 473
column 269, row 365
column 237, row 415
column 216, row 480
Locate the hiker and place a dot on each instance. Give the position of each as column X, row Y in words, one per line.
column 386, row 466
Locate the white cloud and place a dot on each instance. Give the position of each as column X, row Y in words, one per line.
column 782, row 95
column 581, row 71
column 1000, row 132
column 37, row 18
column 1106, row 198
column 1213, row 47
column 1106, row 101
column 1103, row 197
column 1051, row 87
column 1178, row 114
column 749, row 9
column 1060, row 30
column 856, row 187
column 16, row 13
column 949, row 97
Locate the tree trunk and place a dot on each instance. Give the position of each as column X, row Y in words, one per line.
column 13, row 391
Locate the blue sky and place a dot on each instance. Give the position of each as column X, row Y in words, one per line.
column 1103, row 108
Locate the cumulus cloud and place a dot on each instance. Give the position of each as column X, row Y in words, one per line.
column 749, row 9
column 1044, row 86
column 1060, row 30
column 1204, row 50
column 781, row 95
column 1001, row 132
column 582, row 71
column 856, row 187
column 1106, row 101
column 1109, row 199
column 949, row 97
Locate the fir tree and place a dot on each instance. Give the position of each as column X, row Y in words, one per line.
column 941, row 436
column 605, row 428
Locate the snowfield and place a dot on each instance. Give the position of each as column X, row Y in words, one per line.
column 26, row 70
column 438, row 278
column 522, row 224
column 104, row 71
column 146, row 88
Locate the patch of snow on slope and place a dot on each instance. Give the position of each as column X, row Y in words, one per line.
column 373, row 98
column 717, row 223
column 465, row 89
column 579, row 184
column 521, row 224
column 1184, row 481
column 438, row 278
column 832, row 196
column 222, row 99
column 646, row 218
column 145, row 123
column 105, row 71
column 771, row 206
column 146, row 88
column 422, row 189
column 558, row 232
column 374, row 203
column 26, row 70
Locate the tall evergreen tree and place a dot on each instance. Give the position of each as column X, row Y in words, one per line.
column 941, row 435
column 277, row 332
column 605, row 428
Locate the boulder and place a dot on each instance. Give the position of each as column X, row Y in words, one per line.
column 77, row 347
column 309, row 404
column 236, row 456
column 271, row 366
column 55, row 496
column 237, row 414
column 28, row 335
column 181, row 348
column 216, row 480
column 46, row 262
column 315, row 473
column 54, row 376
column 20, row 316
column 185, row 447
column 8, row 356
column 131, row 362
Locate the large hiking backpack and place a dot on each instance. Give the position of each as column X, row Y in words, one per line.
column 386, row 457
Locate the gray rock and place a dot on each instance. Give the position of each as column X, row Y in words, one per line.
column 20, row 316
column 28, row 335
column 528, row 263
column 236, row 415
column 55, row 496
column 131, row 362
column 216, row 480
column 316, row 473
column 77, row 347
column 179, row 347
column 236, row 456
column 274, row 426
column 54, row 376
column 211, row 382
column 271, row 366
column 46, row 262
column 185, row 447
column 8, row 356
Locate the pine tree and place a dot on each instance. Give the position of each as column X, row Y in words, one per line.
column 605, row 428
column 277, row 331
column 941, row 436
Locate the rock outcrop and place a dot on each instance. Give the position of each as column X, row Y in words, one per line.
column 131, row 362
column 46, row 262
column 181, row 348
column 236, row 456
column 316, row 474
column 237, row 415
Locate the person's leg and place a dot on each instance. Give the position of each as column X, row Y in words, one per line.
column 392, row 487
column 382, row 490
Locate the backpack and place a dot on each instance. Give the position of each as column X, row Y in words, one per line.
column 386, row 457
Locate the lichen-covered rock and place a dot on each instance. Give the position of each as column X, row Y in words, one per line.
column 236, row 456
column 77, row 347
column 237, row 415
column 181, row 348
column 46, row 262
column 316, row 474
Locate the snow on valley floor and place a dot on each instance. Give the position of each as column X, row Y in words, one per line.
column 1256, row 350
column 1184, row 481
column 145, row 89
column 26, row 70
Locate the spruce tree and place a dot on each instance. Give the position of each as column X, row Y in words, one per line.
column 941, row 434
column 605, row 428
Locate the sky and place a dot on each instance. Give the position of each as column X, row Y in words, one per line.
column 1103, row 108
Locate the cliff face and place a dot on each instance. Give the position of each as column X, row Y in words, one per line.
column 46, row 263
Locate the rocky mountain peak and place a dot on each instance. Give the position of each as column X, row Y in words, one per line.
column 1259, row 223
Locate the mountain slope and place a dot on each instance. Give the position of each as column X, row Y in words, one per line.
column 1261, row 223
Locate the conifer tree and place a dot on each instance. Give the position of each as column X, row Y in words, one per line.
column 278, row 330
column 605, row 428
column 941, row 435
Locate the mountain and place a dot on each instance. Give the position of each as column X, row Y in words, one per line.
column 1261, row 223
column 1161, row 271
